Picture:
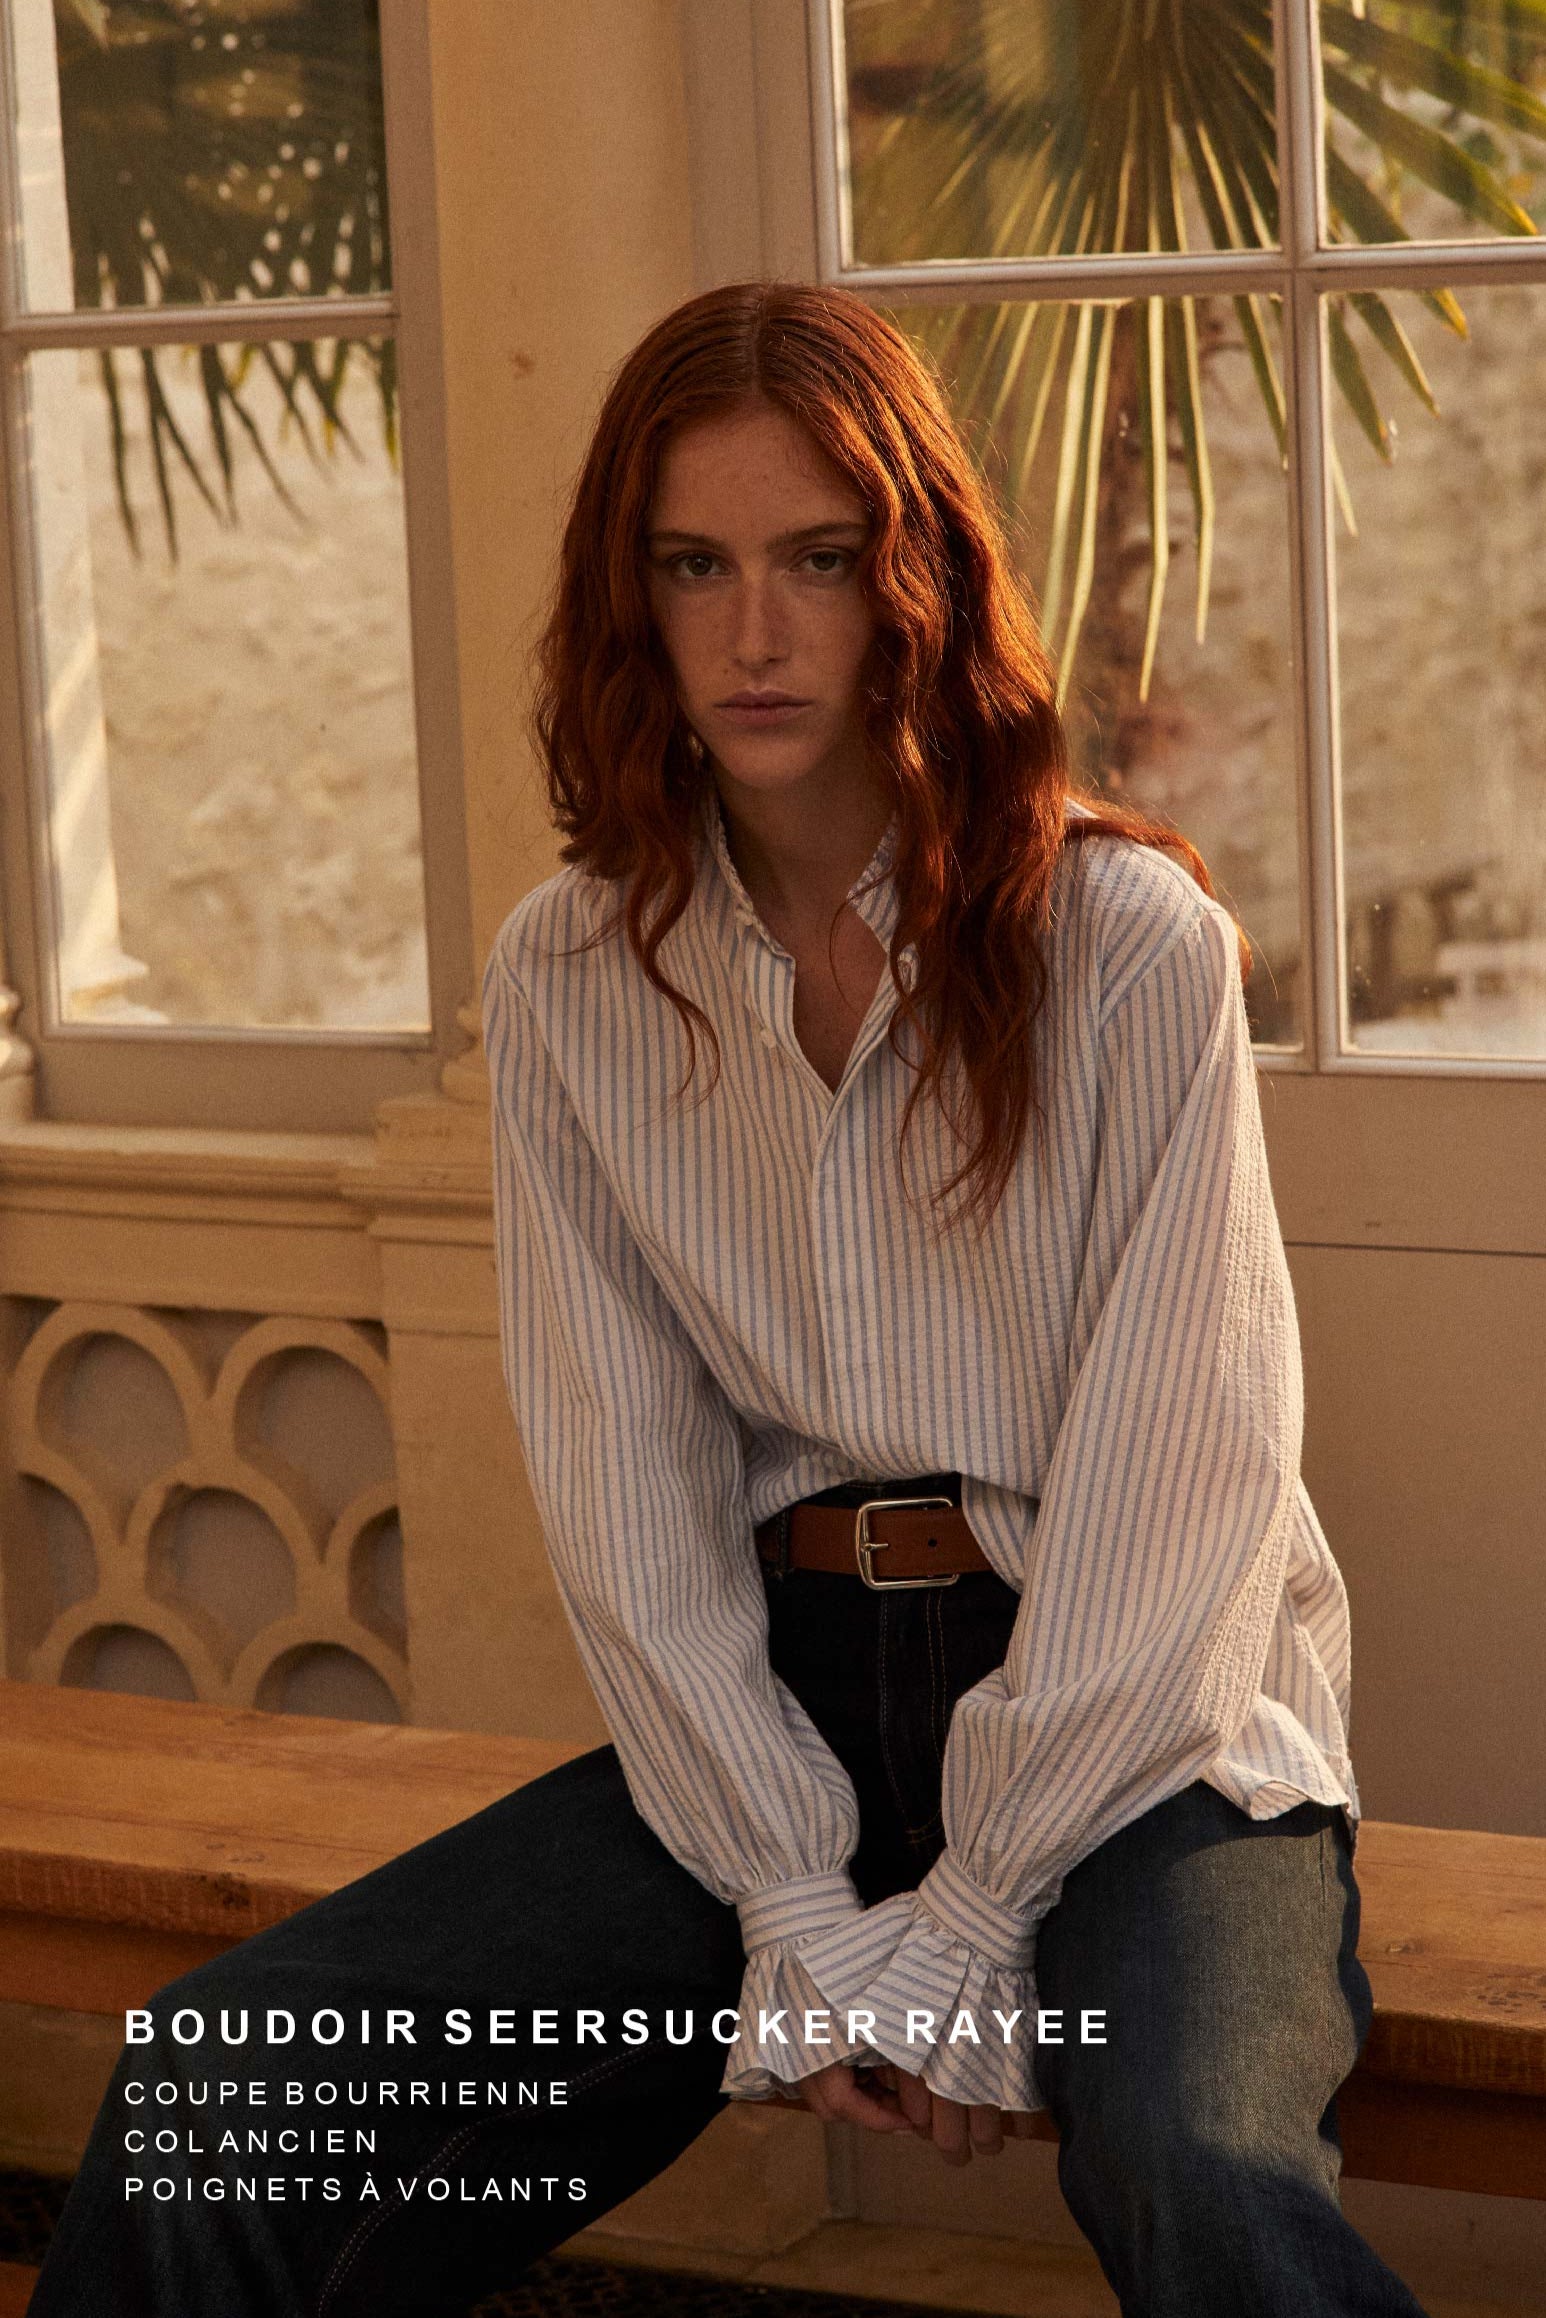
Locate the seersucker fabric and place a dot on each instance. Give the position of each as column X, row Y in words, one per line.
column 714, row 1305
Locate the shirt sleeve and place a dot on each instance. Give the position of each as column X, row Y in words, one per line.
column 637, row 1469
column 1159, row 1555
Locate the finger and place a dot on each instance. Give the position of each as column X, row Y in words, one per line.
column 986, row 2129
column 952, row 2137
column 850, row 2103
column 915, row 2101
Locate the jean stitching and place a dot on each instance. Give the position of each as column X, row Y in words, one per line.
column 368, row 2224
column 354, row 2245
column 938, row 1675
column 605, row 2067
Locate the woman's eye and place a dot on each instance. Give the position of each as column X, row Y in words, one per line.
column 697, row 563
column 826, row 562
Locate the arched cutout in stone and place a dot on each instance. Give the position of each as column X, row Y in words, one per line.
column 318, row 1414
column 376, row 1594
column 214, row 1550
column 323, row 1678
column 108, row 1405
column 122, row 1657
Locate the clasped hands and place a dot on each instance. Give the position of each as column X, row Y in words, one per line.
column 886, row 2099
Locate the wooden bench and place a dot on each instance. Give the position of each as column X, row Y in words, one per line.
column 139, row 1837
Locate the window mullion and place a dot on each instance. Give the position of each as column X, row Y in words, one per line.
column 1415, row 265
column 10, row 243
column 425, row 429
column 1312, row 579
column 829, row 131
column 1116, row 275
column 240, row 320
column 1303, row 273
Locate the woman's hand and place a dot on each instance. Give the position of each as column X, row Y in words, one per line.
column 842, row 2095
column 887, row 2099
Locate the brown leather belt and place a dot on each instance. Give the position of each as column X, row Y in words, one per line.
column 905, row 1540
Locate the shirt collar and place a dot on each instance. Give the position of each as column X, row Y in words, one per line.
column 872, row 894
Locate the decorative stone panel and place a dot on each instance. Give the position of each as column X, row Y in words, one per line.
column 204, row 1505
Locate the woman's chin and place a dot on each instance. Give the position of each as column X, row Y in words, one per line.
column 770, row 763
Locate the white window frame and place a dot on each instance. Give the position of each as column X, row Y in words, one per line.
column 1300, row 273
column 331, row 1080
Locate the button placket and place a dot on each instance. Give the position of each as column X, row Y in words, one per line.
column 873, row 899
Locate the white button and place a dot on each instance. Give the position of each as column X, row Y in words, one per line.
column 768, row 1038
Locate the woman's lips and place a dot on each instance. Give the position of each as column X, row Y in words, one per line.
column 757, row 713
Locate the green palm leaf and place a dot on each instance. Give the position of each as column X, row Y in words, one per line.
column 1383, row 326
column 1420, row 64
column 1347, row 365
column 1439, row 160
column 195, row 173
column 1362, row 209
column 1174, row 103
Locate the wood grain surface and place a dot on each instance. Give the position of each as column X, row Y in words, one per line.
column 201, row 1824
column 214, row 1821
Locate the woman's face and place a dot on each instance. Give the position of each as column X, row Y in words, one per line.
column 754, row 541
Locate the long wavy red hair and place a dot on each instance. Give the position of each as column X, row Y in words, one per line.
column 960, row 696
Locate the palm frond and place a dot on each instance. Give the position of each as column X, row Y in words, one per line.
column 1438, row 160
column 1091, row 427
column 1421, row 64
column 164, row 432
column 1156, row 465
column 1347, row 365
column 198, row 171
column 1098, row 128
column 1387, row 333
column 1184, row 365
column 1523, row 20
column 107, row 371
column 1371, row 221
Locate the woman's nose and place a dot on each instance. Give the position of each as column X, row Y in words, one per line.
column 760, row 631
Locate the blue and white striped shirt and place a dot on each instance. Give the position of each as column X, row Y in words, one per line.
column 713, row 1307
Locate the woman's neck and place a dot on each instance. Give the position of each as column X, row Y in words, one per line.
column 796, row 856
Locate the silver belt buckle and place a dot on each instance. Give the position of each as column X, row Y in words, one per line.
column 865, row 1546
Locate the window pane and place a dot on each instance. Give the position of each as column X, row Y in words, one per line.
column 1442, row 638
column 1435, row 120
column 1012, row 128
column 233, row 790
column 187, row 150
column 1207, row 742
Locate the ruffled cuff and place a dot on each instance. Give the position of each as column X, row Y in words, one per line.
column 797, row 1910
column 938, row 1981
column 785, row 2026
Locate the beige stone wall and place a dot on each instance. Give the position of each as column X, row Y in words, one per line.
column 565, row 230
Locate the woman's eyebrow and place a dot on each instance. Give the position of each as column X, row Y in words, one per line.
column 839, row 526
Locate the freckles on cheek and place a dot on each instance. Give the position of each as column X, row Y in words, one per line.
column 668, row 638
column 689, row 647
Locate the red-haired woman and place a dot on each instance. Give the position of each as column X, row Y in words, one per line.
column 897, row 1324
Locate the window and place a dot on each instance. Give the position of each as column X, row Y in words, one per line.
column 232, row 906
column 1245, row 309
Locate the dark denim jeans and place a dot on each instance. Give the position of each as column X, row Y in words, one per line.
column 1198, row 2152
